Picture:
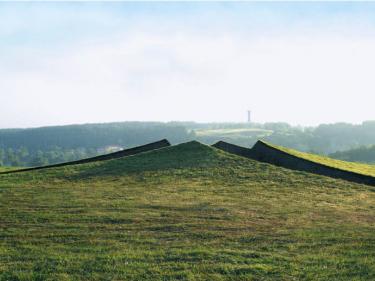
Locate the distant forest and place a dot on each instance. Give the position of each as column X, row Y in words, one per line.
column 364, row 154
column 50, row 145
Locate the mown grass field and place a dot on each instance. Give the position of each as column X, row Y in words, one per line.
column 365, row 169
column 187, row 212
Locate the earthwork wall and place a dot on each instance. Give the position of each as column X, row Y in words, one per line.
column 265, row 153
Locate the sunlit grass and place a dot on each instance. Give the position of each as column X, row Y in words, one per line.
column 188, row 212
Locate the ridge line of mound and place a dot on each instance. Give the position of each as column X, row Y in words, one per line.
column 263, row 152
column 119, row 154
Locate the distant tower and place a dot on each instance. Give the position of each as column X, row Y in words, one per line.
column 249, row 116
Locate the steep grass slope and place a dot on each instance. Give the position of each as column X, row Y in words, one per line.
column 292, row 159
column 186, row 212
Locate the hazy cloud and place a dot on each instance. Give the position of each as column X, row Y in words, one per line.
column 308, row 73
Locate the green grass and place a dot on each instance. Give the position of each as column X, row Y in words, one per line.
column 187, row 212
column 355, row 167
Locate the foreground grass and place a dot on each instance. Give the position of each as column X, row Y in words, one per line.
column 360, row 168
column 188, row 212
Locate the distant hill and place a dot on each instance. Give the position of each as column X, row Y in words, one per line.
column 51, row 145
column 364, row 154
column 123, row 134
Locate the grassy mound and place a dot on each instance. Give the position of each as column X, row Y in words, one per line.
column 186, row 212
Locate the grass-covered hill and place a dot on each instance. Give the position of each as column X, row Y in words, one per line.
column 186, row 212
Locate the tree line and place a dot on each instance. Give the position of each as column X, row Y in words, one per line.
column 363, row 153
column 51, row 145
column 22, row 157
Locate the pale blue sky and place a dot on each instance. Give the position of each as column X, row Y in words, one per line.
column 303, row 63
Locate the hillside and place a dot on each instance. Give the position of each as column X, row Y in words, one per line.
column 185, row 212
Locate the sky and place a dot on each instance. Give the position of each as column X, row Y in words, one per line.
column 93, row 62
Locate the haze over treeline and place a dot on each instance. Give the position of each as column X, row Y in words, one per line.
column 50, row 145
column 303, row 63
column 75, row 63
